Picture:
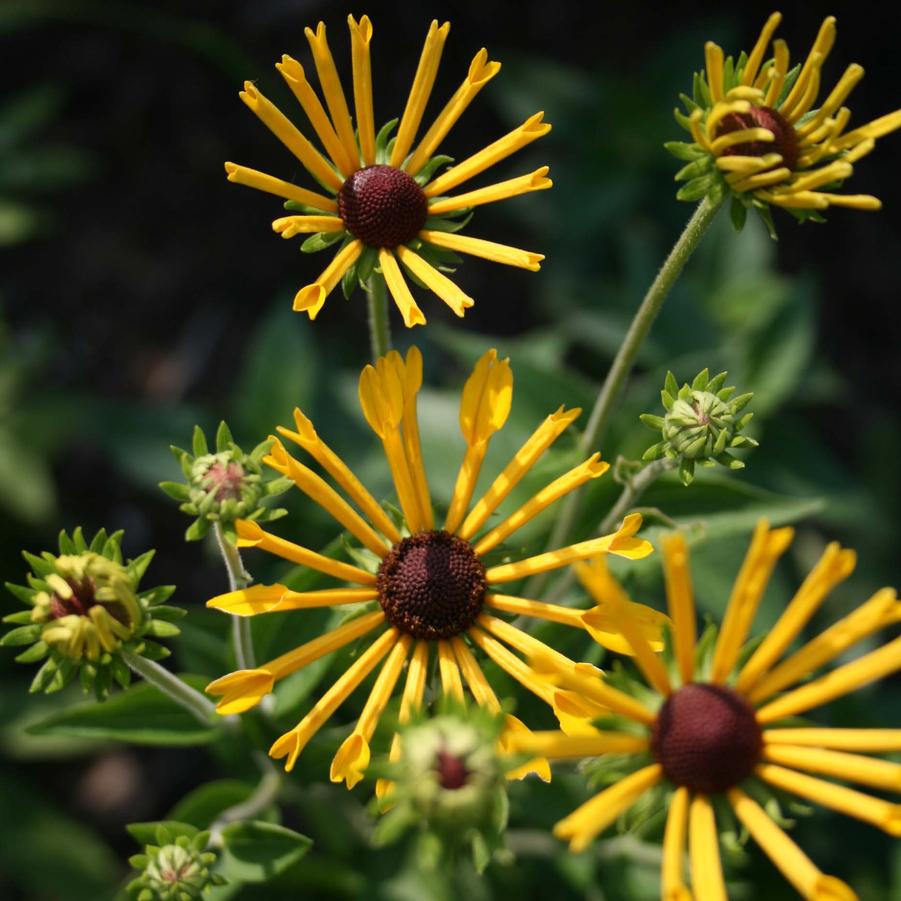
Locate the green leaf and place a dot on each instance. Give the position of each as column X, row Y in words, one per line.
column 146, row 833
column 201, row 806
column 141, row 715
column 256, row 851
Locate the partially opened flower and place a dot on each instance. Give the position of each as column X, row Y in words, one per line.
column 758, row 131
column 384, row 204
column 429, row 591
column 720, row 727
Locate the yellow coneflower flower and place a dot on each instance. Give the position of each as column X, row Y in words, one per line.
column 722, row 723
column 758, row 132
column 383, row 200
column 431, row 592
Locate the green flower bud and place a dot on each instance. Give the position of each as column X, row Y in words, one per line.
column 701, row 424
column 179, row 869
column 85, row 608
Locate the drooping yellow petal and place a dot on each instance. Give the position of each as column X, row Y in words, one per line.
column 277, row 598
column 251, row 534
column 515, row 667
column 755, row 58
column 622, row 543
column 799, row 200
column 822, row 45
column 766, row 548
column 742, row 166
column 763, row 180
column 680, row 602
column 481, row 71
column 559, row 746
column 532, row 129
column 741, row 136
column 241, row 690
column 290, row 226
column 853, row 201
column 420, row 91
column 475, row 678
column 524, row 643
column 591, row 468
column 880, row 774
column 487, row 250
column 554, row 613
column 841, row 681
column 293, row 742
column 810, row 181
column 310, row 298
column 412, row 382
column 397, row 285
column 866, row 740
column 360, row 36
column 537, row 766
column 675, row 839
column 878, row 128
column 512, row 187
column 882, row 814
column 453, row 296
column 704, row 850
column 794, row 864
column 837, row 96
column 288, row 134
column 604, row 627
column 576, row 714
column 253, row 178
column 810, row 92
column 594, row 816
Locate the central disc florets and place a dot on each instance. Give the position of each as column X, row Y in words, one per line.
column 432, row 585
column 706, row 738
column 79, row 602
column 785, row 138
column 382, row 206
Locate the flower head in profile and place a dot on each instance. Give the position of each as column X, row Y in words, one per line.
column 384, row 205
column 431, row 589
column 722, row 721
column 761, row 132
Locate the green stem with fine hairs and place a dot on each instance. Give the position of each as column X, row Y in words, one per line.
column 185, row 696
column 238, row 578
column 379, row 324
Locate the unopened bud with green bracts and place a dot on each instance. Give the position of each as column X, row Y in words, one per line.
column 177, row 868
column 701, row 424
column 224, row 484
column 85, row 608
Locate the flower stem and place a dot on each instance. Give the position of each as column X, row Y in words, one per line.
column 379, row 324
column 265, row 794
column 193, row 701
column 238, row 578
column 625, row 356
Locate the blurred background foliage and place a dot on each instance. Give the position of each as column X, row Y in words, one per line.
column 139, row 293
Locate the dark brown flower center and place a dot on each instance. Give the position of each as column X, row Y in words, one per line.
column 79, row 603
column 785, row 138
column 452, row 771
column 706, row 738
column 431, row 585
column 382, row 206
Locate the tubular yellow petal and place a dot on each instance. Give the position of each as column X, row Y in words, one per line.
column 620, row 543
column 854, row 201
column 881, row 610
column 872, row 130
column 307, row 438
column 252, row 178
column 744, row 92
column 839, row 682
column 331, row 89
column 576, row 714
column 675, row 838
column 251, row 534
column 680, row 602
column 559, row 746
column 785, row 854
column 475, row 678
column 351, row 760
column 399, row 289
column 747, row 165
column 537, row 765
column 414, row 687
column 103, row 624
column 293, row 73
column 532, row 129
column 384, row 786
column 881, row 774
column 322, row 493
column 241, row 690
column 860, row 151
column 455, row 298
column 515, row 667
column 835, row 171
column 277, row 598
column 412, row 380
column 866, row 740
column 604, row 627
column 818, row 52
column 698, row 132
column 293, row 742
column 523, row 642
column 465, row 485
column 481, row 71
column 591, row 468
column 594, row 816
column 778, row 72
column 288, row 134
column 290, row 226
column 766, row 548
column 721, row 110
column 802, row 200
column 837, row 96
column 487, row 250
column 486, row 399
column 713, row 56
column 742, row 136
column 763, row 180
column 513, row 187
column 755, row 58
column 420, row 91
column 832, row 568
column 810, row 92
column 882, row 814
column 311, row 298
column 360, row 36
column 451, row 683
column 704, row 851
column 497, row 406
column 554, row 613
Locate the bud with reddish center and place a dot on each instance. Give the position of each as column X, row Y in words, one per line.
column 785, row 139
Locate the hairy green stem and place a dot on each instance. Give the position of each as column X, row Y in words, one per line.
column 265, row 794
column 238, row 578
column 379, row 324
column 193, row 701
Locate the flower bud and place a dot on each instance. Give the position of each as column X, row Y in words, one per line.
column 179, row 869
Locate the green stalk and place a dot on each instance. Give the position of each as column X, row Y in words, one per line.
column 264, row 795
column 238, row 578
column 193, row 701
column 379, row 324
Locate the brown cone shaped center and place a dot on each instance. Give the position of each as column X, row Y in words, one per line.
column 785, row 138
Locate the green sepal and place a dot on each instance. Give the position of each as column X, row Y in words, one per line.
column 22, row 617
column 683, row 150
column 321, row 240
column 738, row 213
column 197, row 530
column 424, row 176
column 178, row 491
column 22, row 635
column 38, row 651
column 446, row 224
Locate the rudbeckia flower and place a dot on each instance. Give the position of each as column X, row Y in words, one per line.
column 431, row 593
column 383, row 203
column 759, row 131
column 712, row 726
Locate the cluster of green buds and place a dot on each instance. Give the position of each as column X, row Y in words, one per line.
column 176, row 868
column 85, row 609
column 701, row 424
column 223, row 485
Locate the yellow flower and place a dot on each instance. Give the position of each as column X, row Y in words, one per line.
column 383, row 199
column 723, row 722
column 431, row 594
column 758, row 132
